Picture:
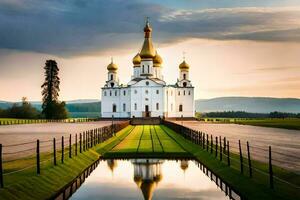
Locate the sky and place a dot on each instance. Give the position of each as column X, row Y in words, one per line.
column 234, row 47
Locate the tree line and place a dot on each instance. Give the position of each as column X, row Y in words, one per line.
column 243, row 114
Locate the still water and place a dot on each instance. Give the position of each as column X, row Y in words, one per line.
column 151, row 179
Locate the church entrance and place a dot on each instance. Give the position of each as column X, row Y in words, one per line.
column 147, row 112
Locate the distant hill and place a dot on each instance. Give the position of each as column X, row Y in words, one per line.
column 92, row 107
column 248, row 104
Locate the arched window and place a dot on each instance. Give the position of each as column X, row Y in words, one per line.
column 116, row 93
column 146, row 91
column 124, row 93
column 147, row 82
column 124, row 107
column 135, row 91
column 114, row 108
column 148, row 69
column 104, row 93
column 112, row 84
column 184, row 84
column 189, row 92
column 157, row 91
column 180, row 108
column 109, row 92
column 111, row 77
column 184, row 76
column 178, row 93
column 135, row 106
column 157, row 106
column 183, row 92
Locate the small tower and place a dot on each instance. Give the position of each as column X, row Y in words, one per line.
column 183, row 80
column 147, row 53
column 136, row 65
column 112, row 79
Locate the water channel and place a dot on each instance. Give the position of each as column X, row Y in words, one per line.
column 152, row 179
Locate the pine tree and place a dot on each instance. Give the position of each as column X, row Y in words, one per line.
column 52, row 108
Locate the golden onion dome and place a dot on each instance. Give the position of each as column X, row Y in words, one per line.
column 184, row 165
column 136, row 60
column 184, row 66
column 112, row 66
column 148, row 50
column 157, row 60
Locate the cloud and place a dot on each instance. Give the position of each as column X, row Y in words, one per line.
column 68, row 28
column 278, row 68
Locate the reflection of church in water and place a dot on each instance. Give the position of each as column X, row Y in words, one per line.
column 147, row 173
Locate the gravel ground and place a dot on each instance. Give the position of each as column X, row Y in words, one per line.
column 285, row 142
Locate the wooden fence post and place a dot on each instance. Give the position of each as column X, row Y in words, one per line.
column 241, row 157
column 249, row 160
column 271, row 169
column 54, row 151
column 76, row 144
column 80, row 143
column 228, row 154
column 83, row 141
column 70, row 146
column 224, row 145
column 62, row 149
column 38, row 170
column 203, row 140
column 216, row 147
column 1, row 168
column 220, row 148
column 207, row 144
column 211, row 144
column 200, row 137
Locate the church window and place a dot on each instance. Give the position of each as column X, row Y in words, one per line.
column 135, row 91
column 148, row 69
column 146, row 99
column 178, row 93
column 184, row 76
column 146, row 91
column 143, row 69
column 189, row 92
column 180, row 108
column 147, row 82
column 104, row 93
column 183, row 92
column 116, row 93
column 184, row 84
column 124, row 93
column 112, row 84
column 157, row 106
column 124, row 107
column 157, row 91
column 114, row 108
column 109, row 93
column 111, row 77
column 135, row 106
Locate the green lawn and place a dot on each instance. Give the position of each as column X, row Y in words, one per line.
column 147, row 140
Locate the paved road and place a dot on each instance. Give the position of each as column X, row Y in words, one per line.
column 286, row 142
column 15, row 134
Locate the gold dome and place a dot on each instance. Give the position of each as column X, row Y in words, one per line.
column 138, row 180
column 136, row 60
column 112, row 67
column 184, row 66
column 147, row 188
column 184, row 164
column 157, row 60
column 112, row 164
column 148, row 50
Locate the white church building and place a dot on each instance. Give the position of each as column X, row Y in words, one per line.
column 147, row 94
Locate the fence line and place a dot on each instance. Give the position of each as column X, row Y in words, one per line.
column 68, row 149
column 200, row 138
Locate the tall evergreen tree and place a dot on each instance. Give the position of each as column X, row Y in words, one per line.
column 52, row 108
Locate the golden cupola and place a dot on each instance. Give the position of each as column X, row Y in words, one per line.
column 112, row 67
column 184, row 66
column 148, row 50
column 157, row 60
column 137, row 60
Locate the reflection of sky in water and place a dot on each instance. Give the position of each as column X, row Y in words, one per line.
column 119, row 179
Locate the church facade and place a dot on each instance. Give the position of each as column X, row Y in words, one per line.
column 147, row 94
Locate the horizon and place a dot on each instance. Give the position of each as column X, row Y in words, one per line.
column 235, row 49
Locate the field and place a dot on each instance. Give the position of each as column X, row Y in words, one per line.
column 287, row 123
column 151, row 141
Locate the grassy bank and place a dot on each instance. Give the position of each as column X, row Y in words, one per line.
column 21, row 185
column 287, row 123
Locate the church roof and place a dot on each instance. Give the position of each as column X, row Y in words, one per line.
column 148, row 50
